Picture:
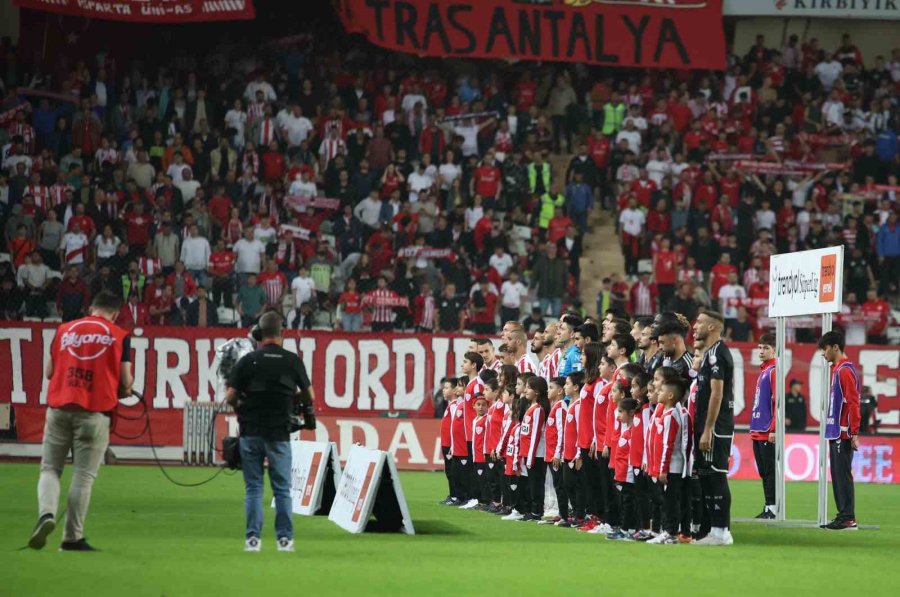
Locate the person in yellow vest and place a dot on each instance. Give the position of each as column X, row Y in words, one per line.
column 549, row 202
column 539, row 176
column 613, row 115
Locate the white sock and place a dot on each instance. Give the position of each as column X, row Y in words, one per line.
column 695, row 528
column 770, row 508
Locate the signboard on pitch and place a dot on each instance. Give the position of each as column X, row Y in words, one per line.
column 370, row 487
column 311, row 463
column 806, row 282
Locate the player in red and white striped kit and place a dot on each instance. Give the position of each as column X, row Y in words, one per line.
column 668, row 461
column 553, row 440
column 532, row 445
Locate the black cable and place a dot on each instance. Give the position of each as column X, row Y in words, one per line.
column 148, row 429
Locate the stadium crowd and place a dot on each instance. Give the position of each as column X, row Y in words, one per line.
column 359, row 189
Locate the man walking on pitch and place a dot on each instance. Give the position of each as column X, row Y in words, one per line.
column 714, row 430
column 264, row 389
column 762, row 423
column 841, row 429
column 89, row 370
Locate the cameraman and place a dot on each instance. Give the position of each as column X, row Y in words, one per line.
column 263, row 390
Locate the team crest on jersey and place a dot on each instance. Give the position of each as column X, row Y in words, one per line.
column 459, row 414
column 550, row 422
column 570, row 418
column 479, row 429
column 659, row 427
column 622, row 442
column 513, row 487
column 465, row 462
column 637, row 422
column 480, row 472
column 712, row 359
column 490, row 465
column 527, row 419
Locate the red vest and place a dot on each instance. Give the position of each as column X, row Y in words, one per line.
column 87, row 355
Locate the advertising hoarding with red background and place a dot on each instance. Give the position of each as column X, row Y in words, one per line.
column 357, row 377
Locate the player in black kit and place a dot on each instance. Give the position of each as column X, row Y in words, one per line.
column 714, row 425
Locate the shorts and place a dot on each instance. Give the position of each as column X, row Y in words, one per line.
column 717, row 459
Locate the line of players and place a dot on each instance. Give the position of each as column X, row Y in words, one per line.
column 636, row 450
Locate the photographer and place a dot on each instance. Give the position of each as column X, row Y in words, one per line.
column 263, row 390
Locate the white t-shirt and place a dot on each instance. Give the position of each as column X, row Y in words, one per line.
column 470, row 139
column 418, row 183
column 448, row 173
column 74, row 247
column 264, row 235
column 633, row 138
column 303, row 289
column 657, row 170
column 632, row 221
column 765, row 219
column 640, row 123
column 730, row 291
column 501, row 263
column 236, row 120
column 828, row 72
column 511, row 294
column 105, row 248
column 303, row 189
column 833, row 112
column 473, row 214
column 248, row 253
column 411, row 99
column 296, row 129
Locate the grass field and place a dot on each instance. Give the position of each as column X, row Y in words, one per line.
column 159, row 539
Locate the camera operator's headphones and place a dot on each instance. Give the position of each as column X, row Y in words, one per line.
column 255, row 334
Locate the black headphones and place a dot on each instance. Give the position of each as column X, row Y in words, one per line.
column 256, row 333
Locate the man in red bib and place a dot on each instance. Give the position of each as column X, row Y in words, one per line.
column 89, row 370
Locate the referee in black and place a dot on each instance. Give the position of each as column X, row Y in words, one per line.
column 714, row 425
column 265, row 388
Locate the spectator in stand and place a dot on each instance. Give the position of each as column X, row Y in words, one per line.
column 888, row 250
column 549, row 277
column 643, row 297
column 249, row 253
column 195, row 253
column 250, row 300
column 201, row 312
column 133, row 314
column 72, row 295
column 877, row 313
column 350, row 303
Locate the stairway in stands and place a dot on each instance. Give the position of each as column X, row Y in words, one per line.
column 602, row 254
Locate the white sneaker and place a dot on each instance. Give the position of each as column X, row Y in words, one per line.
column 252, row 544
column 285, row 544
column 716, row 537
column 514, row 515
column 659, row 539
column 469, row 505
column 601, row 529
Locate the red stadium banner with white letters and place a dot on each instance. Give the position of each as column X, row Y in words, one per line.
column 683, row 34
column 148, row 11
column 355, row 375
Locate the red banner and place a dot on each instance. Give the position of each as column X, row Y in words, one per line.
column 683, row 34
column 148, row 11
column 356, row 375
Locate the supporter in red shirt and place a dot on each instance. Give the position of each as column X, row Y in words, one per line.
column 556, row 229
column 221, row 270
column 133, row 314
column 719, row 274
column 219, row 207
column 644, row 189
column 84, row 222
column 486, row 179
column 351, row 303
column 659, row 221
column 877, row 312
column 680, row 114
column 161, row 308
column 706, row 192
column 483, row 229
column 182, row 282
column 693, row 137
column 380, row 247
column 274, row 165
column 784, row 219
column 137, row 225
column 723, row 215
column 525, row 93
column 665, row 271
column 598, row 148
column 483, row 308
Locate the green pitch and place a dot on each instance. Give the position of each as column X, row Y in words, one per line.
column 159, row 539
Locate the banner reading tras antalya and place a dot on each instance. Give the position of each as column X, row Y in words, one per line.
column 148, row 11
column 354, row 375
column 684, row 34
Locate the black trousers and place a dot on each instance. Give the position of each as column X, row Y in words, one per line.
column 535, row 499
column 627, row 506
column 495, row 479
column 764, row 453
column 382, row 326
column 463, row 473
column 562, row 497
column 642, row 498
column 518, row 489
column 672, row 510
column 574, row 481
column 482, row 492
column 657, row 500
column 445, row 450
column 594, row 497
column 842, row 478
column 716, row 499
column 612, row 513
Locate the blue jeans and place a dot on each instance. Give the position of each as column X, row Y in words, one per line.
column 351, row 322
column 253, row 451
column 550, row 306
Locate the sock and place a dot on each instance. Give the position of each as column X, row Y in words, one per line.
column 770, row 508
